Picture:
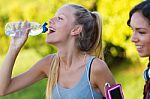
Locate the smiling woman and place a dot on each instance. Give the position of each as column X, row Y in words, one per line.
column 141, row 33
column 73, row 26
column 139, row 21
column 77, row 70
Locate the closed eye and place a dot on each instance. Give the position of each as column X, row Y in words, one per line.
column 59, row 18
column 142, row 32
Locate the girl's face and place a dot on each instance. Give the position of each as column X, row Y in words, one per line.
column 61, row 25
column 141, row 33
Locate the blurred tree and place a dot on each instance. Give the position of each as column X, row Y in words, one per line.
column 116, row 34
column 31, row 10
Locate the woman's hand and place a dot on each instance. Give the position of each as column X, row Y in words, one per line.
column 21, row 35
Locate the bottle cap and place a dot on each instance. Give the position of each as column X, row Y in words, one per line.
column 44, row 27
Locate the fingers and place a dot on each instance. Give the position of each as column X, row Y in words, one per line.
column 27, row 31
column 21, row 28
column 19, row 25
column 15, row 29
column 27, row 27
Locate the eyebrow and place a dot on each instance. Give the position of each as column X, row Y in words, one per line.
column 61, row 14
column 139, row 28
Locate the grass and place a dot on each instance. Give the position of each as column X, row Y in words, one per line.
column 130, row 77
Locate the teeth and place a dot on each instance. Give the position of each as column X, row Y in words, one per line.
column 51, row 29
column 139, row 46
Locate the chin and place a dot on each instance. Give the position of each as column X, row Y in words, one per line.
column 50, row 42
column 47, row 41
column 144, row 55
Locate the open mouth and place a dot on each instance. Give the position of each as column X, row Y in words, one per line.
column 139, row 47
column 51, row 30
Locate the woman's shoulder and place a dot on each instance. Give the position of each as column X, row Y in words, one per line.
column 48, row 58
column 45, row 63
column 100, row 68
column 101, row 74
column 99, row 65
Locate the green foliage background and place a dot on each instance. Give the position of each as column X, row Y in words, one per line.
column 116, row 34
column 116, row 37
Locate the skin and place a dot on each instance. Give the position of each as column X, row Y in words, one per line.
column 72, row 60
column 141, row 33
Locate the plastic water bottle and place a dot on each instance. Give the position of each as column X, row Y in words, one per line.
column 36, row 28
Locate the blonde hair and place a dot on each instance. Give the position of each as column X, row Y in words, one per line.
column 89, row 41
column 97, row 49
column 53, row 76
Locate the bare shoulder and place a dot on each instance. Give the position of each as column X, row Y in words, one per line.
column 99, row 65
column 44, row 64
column 100, row 69
column 100, row 74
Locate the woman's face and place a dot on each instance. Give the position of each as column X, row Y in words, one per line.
column 61, row 25
column 141, row 33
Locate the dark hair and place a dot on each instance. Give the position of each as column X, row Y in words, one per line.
column 90, row 39
column 143, row 7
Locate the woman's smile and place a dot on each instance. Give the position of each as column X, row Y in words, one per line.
column 51, row 30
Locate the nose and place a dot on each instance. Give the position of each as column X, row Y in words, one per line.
column 52, row 21
column 134, row 37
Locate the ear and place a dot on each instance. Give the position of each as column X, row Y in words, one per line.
column 76, row 30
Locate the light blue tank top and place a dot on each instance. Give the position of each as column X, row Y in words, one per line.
column 82, row 90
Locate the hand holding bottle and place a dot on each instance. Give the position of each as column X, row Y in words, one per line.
column 18, row 31
column 21, row 35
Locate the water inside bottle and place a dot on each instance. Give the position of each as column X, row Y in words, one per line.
column 35, row 32
column 12, row 28
column 11, row 32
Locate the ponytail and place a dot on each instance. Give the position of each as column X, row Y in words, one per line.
column 90, row 39
column 97, row 49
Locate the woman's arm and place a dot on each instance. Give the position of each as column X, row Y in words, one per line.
column 36, row 73
column 9, row 85
column 100, row 74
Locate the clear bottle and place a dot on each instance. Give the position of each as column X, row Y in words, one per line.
column 36, row 28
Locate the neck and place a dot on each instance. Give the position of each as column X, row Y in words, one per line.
column 70, row 57
column 69, row 54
